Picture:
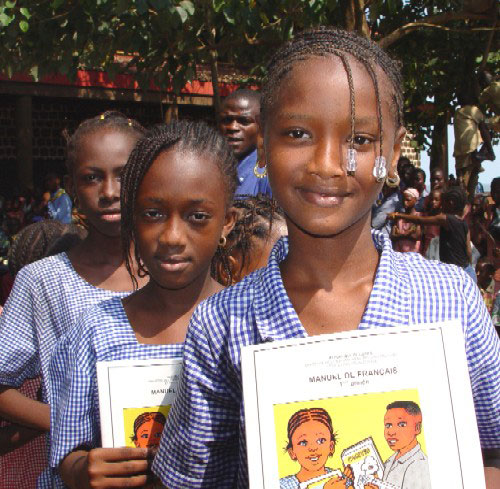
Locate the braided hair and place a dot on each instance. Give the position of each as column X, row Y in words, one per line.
column 256, row 215
column 327, row 41
column 42, row 239
column 191, row 136
column 456, row 197
column 110, row 119
column 311, row 414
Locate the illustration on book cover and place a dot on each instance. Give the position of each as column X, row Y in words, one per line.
column 368, row 441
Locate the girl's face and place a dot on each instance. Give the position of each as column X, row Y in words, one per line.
column 180, row 216
column 312, row 444
column 306, row 138
column 409, row 201
column 95, row 180
column 149, row 434
column 436, row 201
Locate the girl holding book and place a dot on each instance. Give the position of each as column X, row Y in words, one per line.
column 331, row 123
column 176, row 193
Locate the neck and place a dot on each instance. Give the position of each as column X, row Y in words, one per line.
column 244, row 155
column 406, row 449
column 319, row 262
column 104, row 249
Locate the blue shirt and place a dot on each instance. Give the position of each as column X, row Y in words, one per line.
column 103, row 333
column 60, row 207
column 204, row 440
column 248, row 183
column 46, row 300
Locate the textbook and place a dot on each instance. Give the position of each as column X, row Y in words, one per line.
column 134, row 400
column 387, row 408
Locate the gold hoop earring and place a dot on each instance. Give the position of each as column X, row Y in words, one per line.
column 394, row 181
column 257, row 173
column 222, row 241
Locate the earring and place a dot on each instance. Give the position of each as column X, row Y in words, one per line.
column 256, row 171
column 394, row 181
column 379, row 169
column 141, row 269
column 222, row 241
column 351, row 162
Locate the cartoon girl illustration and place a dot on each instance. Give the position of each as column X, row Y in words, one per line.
column 311, row 441
column 148, row 427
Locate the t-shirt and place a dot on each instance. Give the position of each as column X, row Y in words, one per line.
column 453, row 242
column 248, row 182
column 466, row 128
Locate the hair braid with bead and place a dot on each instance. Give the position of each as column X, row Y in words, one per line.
column 190, row 136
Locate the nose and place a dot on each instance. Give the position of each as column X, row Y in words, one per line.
column 328, row 159
column 232, row 126
column 110, row 189
column 173, row 233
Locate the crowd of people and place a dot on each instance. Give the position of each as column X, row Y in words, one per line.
column 297, row 217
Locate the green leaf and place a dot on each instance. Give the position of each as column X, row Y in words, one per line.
column 218, row 4
column 5, row 19
column 182, row 14
column 10, row 4
column 24, row 26
column 25, row 12
column 187, row 6
column 34, row 72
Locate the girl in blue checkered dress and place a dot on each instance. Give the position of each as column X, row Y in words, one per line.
column 176, row 193
column 50, row 294
column 331, row 129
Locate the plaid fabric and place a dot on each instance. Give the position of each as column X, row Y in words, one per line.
column 20, row 469
column 103, row 333
column 47, row 298
column 204, row 444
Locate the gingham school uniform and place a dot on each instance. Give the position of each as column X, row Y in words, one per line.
column 47, row 298
column 103, row 333
column 203, row 444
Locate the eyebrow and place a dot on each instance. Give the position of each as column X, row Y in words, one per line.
column 305, row 117
column 159, row 200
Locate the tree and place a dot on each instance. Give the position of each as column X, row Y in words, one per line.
column 167, row 40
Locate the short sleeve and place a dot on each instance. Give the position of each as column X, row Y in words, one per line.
column 74, row 413
column 417, row 475
column 19, row 356
column 483, row 357
column 200, row 443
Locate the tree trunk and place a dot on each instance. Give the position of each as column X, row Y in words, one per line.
column 439, row 147
column 214, row 70
column 355, row 18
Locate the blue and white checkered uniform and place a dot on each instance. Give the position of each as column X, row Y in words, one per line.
column 203, row 444
column 47, row 298
column 103, row 333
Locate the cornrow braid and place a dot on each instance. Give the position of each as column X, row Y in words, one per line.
column 39, row 240
column 256, row 215
column 325, row 41
column 110, row 119
column 311, row 414
column 194, row 137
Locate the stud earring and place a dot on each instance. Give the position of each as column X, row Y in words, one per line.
column 351, row 162
column 394, row 181
column 222, row 241
column 379, row 169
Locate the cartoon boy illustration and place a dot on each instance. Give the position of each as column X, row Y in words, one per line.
column 408, row 467
column 148, row 427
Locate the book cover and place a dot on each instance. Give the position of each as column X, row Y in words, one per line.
column 378, row 409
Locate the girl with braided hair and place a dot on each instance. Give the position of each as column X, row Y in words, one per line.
column 331, row 125
column 49, row 295
column 177, row 188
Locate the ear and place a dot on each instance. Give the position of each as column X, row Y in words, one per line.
column 418, row 428
column 292, row 454
column 229, row 221
column 332, row 448
column 396, row 150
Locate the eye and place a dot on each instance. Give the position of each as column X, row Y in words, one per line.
column 145, row 435
column 91, row 178
column 320, row 441
column 388, row 425
column 360, row 140
column 199, row 217
column 152, row 214
column 298, row 134
column 302, row 443
column 402, row 424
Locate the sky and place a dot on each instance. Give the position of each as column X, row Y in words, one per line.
column 491, row 168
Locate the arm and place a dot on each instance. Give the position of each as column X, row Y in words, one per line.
column 18, row 408
column 439, row 220
column 106, row 467
column 492, row 468
column 468, row 247
column 15, row 436
column 485, row 134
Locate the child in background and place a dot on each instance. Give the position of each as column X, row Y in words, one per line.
column 485, row 282
column 432, row 231
column 331, row 123
column 176, row 193
column 259, row 225
column 405, row 235
column 454, row 235
column 49, row 294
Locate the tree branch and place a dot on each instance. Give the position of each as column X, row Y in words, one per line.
column 431, row 20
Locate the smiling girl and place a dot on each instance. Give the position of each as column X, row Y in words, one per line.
column 331, row 124
column 50, row 294
column 176, row 193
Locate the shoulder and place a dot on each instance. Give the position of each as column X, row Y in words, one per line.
column 47, row 269
column 289, row 482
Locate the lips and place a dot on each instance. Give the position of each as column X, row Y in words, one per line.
column 174, row 264
column 111, row 216
column 323, row 196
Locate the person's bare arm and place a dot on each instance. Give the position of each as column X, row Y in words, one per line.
column 15, row 436
column 17, row 408
column 492, row 476
column 468, row 247
column 105, row 467
column 485, row 134
column 439, row 220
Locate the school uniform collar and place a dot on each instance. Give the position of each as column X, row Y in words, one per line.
column 404, row 458
column 388, row 305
